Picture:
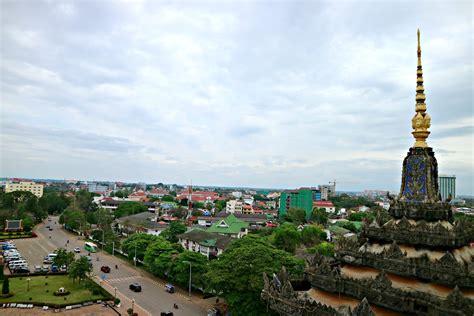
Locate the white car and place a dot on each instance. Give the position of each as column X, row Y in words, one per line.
column 77, row 250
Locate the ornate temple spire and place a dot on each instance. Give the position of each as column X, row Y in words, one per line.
column 421, row 121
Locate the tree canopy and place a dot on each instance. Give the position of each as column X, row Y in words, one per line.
column 63, row 257
column 313, row 234
column 320, row 216
column 141, row 241
column 159, row 256
column 237, row 274
column 286, row 237
column 176, row 228
column 129, row 208
column 80, row 268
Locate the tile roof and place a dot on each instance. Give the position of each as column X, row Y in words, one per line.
column 206, row 238
column 228, row 225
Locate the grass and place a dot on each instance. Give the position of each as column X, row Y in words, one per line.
column 79, row 293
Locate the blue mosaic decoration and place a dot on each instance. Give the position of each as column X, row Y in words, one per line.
column 415, row 178
column 419, row 176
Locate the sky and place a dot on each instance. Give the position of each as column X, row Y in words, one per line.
column 276, row 94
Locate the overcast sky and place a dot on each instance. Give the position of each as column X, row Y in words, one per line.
column 260, row 94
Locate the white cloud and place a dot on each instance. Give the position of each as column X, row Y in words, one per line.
column 282, row 96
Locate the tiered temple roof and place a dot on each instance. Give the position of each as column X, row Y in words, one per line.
column 420, row 262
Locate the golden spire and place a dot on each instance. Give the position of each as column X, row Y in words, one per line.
column 421, row 121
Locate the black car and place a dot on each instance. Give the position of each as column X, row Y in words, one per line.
column 135, row 287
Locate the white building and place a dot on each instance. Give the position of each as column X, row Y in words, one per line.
column 234, row 206
column 237, row 194
column 29, row 186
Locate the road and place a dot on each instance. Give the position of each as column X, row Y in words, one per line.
column 152, row 300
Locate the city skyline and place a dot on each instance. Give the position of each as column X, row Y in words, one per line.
column 232, row 95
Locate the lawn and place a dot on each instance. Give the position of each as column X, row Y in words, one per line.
column 38, row 291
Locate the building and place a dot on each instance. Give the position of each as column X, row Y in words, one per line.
column 28, row 186
column 158, row 193
column 234, row 206
column 144, row 222
column 97, row 188
column 419, row 261
column 230, row 226
column 327, row 191
column 253, row 220
column 199, row 196
column 301, row 198
column 447, row 186
column 326, row 205
column 237, row 194
column 206, row 243
column 138, row 196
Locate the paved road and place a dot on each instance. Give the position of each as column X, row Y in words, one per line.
column 153, row 299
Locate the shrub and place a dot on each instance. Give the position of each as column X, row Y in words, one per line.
column 130, row 311
column 116, row 301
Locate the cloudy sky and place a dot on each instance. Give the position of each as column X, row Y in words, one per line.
column 267, row 93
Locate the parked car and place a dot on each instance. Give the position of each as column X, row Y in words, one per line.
column 105, row 269
column 135, row 287
column 169, row 288
column 51, row 228
column 21, row 270
column 44, row 269
column 54, row 268
column 77, row 250
column 38, row 269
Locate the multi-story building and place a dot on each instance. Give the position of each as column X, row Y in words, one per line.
column 234, row 206
column 327, row 191
column 97, row 188
column 301, row 198
column 447, row 186
column 29, row 186
column 237, row 194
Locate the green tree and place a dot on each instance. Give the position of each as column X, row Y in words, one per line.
column 198, row 205
column 73, row 219
column 80, row 269
column 63, row 257
column 320, row 216
column 140, row 241
column 314, row 234
column 27, row 223
column 167, row 198
column 286, row 237
column 325, row 248
column 159, row 256
column 1, row 272
column 220, row 205
column 129, row 208
column 199, row 267
column 297, row 215
column 176, row 228
column 53, row 202
column 237, row 274
column 6, row 286
column 347, row 225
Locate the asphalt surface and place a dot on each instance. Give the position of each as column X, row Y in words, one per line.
column 152, row 300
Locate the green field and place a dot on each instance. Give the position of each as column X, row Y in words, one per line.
column 38, row 288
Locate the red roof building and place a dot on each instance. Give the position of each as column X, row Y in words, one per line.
column 327, row 205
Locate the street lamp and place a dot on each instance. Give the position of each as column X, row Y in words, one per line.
column 115, row 292
column 133, row 304
column 189, row 276
column 28, row 287
column 135, row 258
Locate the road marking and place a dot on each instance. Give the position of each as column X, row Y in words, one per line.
column 124, row 279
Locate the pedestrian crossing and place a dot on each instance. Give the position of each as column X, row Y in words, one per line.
column 118, row 280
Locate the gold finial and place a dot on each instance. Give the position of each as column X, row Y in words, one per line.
column 421, row 121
